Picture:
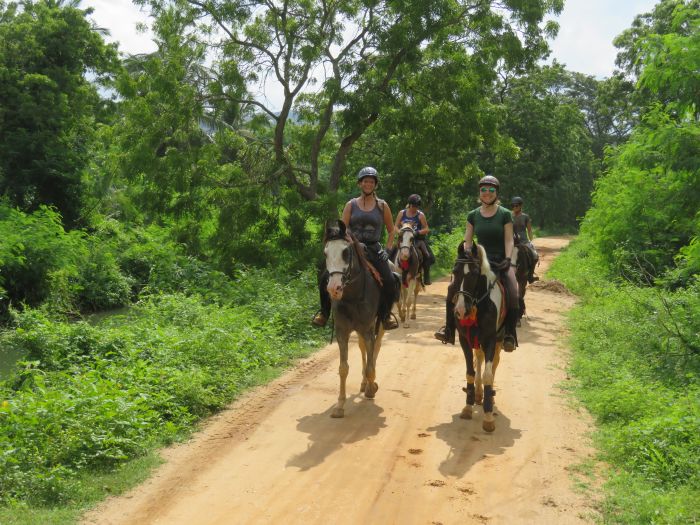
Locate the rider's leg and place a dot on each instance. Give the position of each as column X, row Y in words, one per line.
column 446, row 334
column 426, row 261
column 321, row 317
column 389, row 292
column 510, row 341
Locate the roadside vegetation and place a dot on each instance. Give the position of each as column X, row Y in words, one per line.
column 636, row 267
column 160, row 227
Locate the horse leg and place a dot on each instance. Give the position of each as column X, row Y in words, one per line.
column 469, row 360
column 402, row 303
column 409, row 300
column 489, row 424
column 343, row 370
column 370, row 374
column 363, row 351
column 479, row 383
column 416, row 289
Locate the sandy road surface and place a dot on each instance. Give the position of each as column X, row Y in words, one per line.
column 275, row 456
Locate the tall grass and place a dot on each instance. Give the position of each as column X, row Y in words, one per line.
column 637, row 368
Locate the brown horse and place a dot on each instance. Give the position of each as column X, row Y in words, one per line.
column 523, row 264
column 409, row 261
column 480, row 315
column 355, row 295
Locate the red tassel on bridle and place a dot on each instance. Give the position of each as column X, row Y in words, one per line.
column 470, row 323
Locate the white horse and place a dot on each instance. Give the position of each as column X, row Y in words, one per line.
column 409, row 261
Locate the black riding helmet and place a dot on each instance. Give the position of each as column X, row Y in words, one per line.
column 414, row 199
column 516, row 200
column 490, row 180
column 368, row 172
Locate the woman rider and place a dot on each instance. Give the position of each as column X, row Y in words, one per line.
column 365, row 215
column 420, row 224
column 493, row 226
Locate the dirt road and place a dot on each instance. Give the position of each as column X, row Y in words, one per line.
column 276, row 455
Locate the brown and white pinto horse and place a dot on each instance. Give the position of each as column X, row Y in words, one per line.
column 355, row 295
column 480, row 314
column 409, row 261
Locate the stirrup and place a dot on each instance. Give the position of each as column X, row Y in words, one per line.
column 390, row 323
column 441, row 335
column 319, row 319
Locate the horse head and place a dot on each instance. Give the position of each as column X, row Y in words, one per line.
column 473, row 273
column 407, row 236
column 339, row 253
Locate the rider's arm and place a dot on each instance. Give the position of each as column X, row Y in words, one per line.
column 468, row 237
column 508, row 232
column 424, row 230
column 346, row 213
column 529, row 230
column 389, row 223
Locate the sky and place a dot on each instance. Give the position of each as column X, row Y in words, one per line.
column 584, row 44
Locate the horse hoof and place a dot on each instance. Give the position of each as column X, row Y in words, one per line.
column 488, row 426
column 370, row 390
column 338, row 413
column 466, row 413
column 413, row 316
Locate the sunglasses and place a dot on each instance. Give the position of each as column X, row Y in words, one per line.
column 487, row 189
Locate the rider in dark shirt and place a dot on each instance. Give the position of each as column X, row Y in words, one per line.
column 420, row 224
column 522, row 230
column 365, row 215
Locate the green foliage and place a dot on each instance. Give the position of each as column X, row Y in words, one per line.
column 48, row 106
column 637, row 366
column 89, row 399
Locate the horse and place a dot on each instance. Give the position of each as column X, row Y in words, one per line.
column 354, row 289
column 410, row 261
column 523, row 263
column 480, row 312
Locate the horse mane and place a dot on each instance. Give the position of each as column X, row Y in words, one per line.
column 485, row 265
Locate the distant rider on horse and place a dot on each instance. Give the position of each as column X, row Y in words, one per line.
column 414, row 215
column 522, row 230
column 364, row 216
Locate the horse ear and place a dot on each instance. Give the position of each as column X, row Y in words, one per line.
column 341, row 227
column 460, row 249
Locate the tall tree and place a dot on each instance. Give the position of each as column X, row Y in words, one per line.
column 47, row 105
column 356, row 53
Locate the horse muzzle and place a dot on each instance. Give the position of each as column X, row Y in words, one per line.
column 335, row 287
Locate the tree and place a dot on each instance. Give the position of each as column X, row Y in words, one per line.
column 47, row 105
column 361, row 50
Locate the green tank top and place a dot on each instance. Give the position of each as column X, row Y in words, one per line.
column 489, row 231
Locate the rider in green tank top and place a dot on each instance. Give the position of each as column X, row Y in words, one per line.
column 489, row 231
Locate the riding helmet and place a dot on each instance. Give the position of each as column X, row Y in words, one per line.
column 367, row 172
column 490, row 180
column 516, row 200
column 414, row 199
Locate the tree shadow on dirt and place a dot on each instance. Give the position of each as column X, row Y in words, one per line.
column 469, row 444
column 326, row 434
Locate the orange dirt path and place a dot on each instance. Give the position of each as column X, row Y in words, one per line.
column 276, row 455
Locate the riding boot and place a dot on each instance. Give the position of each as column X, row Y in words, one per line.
column 510, row 340
column 446, row 334
column 426, row 275
column 321, row 317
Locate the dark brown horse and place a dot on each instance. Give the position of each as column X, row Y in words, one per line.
column 480, row 315
column 355, row 295
column 523, row 265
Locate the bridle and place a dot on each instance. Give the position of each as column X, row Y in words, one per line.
column 403, row 230
column 469, row 297
column 346, row 274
